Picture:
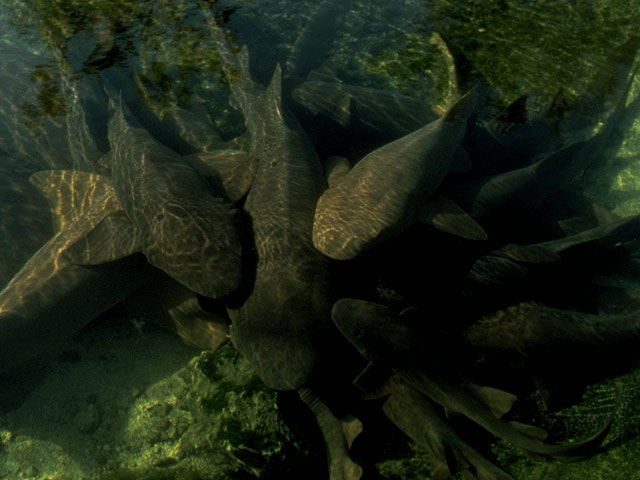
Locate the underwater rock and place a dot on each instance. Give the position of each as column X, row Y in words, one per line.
column 87, row 419
column 139, row 404
column 212, row 417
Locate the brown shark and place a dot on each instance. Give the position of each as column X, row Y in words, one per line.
column 378, row 334
column 559, row 346
column 427, row 425
column 285, row 318
column 52, row 298
column 182, row 227
column 384, row 191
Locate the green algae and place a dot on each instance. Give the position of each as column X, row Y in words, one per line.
column 230, row 412
column 518, row 46
column 416, row 466
column 172, row 58
column 138, row 405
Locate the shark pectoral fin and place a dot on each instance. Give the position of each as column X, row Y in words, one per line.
column 326, row 98
column 498, row 401
column 71, row 194
column 351, row 428
column 335, row 168
column 604, row 216
column 461, row 162
column 198, row 328
column 445, row 215
column 578, row 224
column 229, row 171
column 598, row 216
column 113, row 238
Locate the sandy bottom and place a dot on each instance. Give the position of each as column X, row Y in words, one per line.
column 128, row 400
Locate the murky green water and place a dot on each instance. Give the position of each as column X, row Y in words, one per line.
column 120, row 397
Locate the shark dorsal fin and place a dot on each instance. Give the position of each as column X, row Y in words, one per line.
column 447, row 216
column 336, row 167
column 316, row 40
column 243, row 60
column 238, row 75
column 198, row 328
column 274, row 90
column 229, row 172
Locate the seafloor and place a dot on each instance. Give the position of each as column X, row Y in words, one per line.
column 129, row 401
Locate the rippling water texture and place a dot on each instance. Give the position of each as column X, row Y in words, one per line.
column 121, row 398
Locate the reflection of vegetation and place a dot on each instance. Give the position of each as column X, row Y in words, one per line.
column 50, row 99
column 58, row 22
column 417, row 65
column 174, row 51
column 519, row 46
column 159, row 41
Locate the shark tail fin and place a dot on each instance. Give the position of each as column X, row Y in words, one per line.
column 453, row 89
column 462, row 108
column 87, row 203
column 72, row 193
column 113, row 238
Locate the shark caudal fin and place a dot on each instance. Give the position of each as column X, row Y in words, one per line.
column 87, row 205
